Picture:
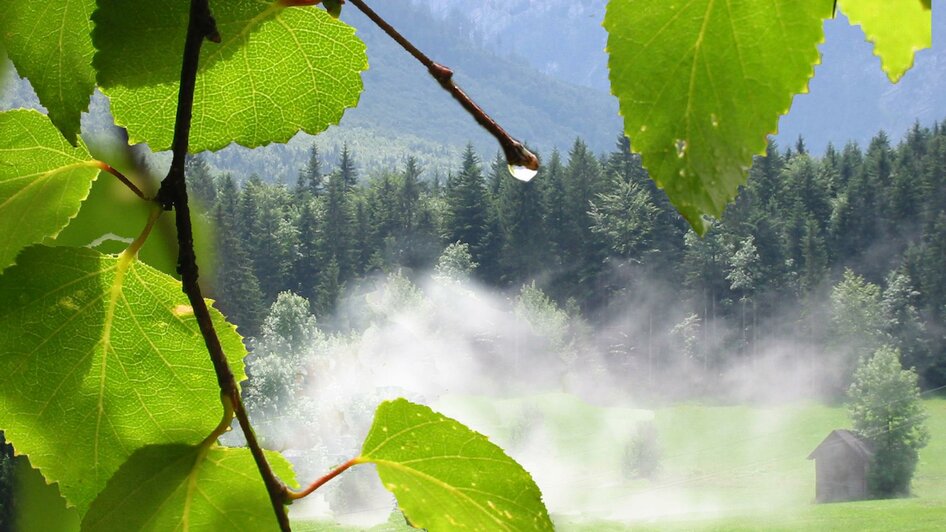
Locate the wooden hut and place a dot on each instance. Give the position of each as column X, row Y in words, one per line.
column 842, row 461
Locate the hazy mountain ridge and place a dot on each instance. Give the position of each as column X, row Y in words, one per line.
column 539, row 67
column 403, row 111
column 850, row 98
column 561, row 38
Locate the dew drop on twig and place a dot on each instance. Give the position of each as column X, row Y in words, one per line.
column 522, row 173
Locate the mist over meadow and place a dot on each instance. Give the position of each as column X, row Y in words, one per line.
column 638, row 371
column 570, row 363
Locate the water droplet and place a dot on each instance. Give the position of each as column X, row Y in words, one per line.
column 681, row 146
column 714, row 119
column 522, row 173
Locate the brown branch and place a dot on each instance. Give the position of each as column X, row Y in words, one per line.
column 121, row 177
column 173, row 194
column 516, row 153
column 295, row 495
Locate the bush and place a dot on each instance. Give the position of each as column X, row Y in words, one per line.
column 886, row 410
column 642, row 453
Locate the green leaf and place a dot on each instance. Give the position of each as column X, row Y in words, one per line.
column 179, row 487
column 99, row 356
column 898, row 29
column 278, row 71
column 446, row 476
column 43, row 181
column 49, row 43
column 702, row 83
column 4, row 68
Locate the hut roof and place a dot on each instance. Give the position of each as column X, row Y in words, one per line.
column 859, row 445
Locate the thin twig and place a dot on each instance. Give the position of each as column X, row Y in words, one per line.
column 295, row 495
column 173, row 194
column 516, row 153
column 121, row 177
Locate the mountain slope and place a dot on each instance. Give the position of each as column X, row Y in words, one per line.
column 403, row 110
column 849, row 99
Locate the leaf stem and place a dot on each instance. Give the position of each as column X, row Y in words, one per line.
column 132, row 250
column 516, row 153
column 295, row 495
column 225, row 421
column 121, row 177
column 173, row 195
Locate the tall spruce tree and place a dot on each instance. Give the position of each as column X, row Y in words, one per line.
column 200, row 181
column 236, row 287
column 338, row 226
column 310, row 178
column 583, row 253
column 467, row 207
column 307, row 262
column 521, row 216
column 346, row 167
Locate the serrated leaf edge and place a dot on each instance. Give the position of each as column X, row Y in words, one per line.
column 872, row 39
column 91, row 162
column 277, row 6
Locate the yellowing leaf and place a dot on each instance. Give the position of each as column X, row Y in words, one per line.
column 702, row 83
column 95, row 363
column 278, row 70
column 447, row 477
column 898, row 29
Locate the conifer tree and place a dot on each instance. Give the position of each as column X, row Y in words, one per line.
column 521, row 215
column 410, row 194
column 237, row 289
column 200, row 182
column 467, row 208
column 310, row 178
column 309, row 254
column 338, row 223
column 346, row 167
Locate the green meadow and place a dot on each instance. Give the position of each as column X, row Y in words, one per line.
column 722, row 467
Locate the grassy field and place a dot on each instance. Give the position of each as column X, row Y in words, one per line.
column 722, row 468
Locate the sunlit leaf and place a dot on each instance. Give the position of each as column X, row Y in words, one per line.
column 278, row 70
column 180, row 487
column 49, row 43
column 99, row 356
column 898, row 29
column 702, row 83
column 448, row 477
column 43, row 181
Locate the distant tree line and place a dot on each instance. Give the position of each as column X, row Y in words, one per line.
column 860, row 233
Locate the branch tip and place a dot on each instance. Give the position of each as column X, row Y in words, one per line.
column 516, row 154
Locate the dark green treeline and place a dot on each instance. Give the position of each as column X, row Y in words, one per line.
column 591, row 228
